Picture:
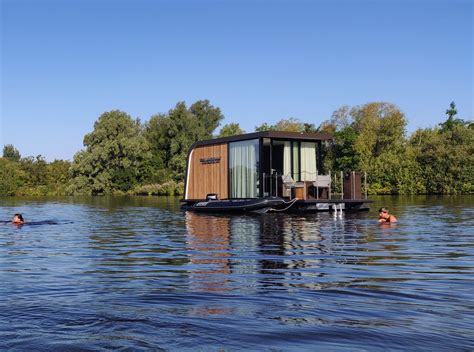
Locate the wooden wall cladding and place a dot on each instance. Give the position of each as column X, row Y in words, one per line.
column 208, row 172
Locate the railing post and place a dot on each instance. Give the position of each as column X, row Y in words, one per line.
column 316, row 188
column 342, row 185
column 353, row 184
column 365, row 183
column 276, row 184
column 330, row 182
column 270, row 177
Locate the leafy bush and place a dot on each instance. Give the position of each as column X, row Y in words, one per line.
column 169, row 188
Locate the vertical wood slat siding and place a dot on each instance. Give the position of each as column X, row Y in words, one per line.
column 208, row 178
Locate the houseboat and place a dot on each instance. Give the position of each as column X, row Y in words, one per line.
column 268, row 171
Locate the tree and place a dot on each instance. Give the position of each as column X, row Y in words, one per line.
column 171, row 135
column 451, row 122
column 345, row 156
column 341, row 118
column 11, row 177
column 289, row 125
column 309, row 128
column 369, row 138
column 115, row 157
column 451, row 112
column 231, row 129
column 446, row 159
column 58, row 176
column 208, row 117
column 264, row 127
column 35, row 168
column 183, row 130
column 380, row 131
column 11, row 153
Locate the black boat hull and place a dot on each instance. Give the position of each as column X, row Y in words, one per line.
column 235, row 205
column 274, row 204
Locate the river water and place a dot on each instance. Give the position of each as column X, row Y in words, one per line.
column 138, row 274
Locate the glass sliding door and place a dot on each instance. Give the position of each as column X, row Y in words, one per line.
column 281, row 157
column 243, row 169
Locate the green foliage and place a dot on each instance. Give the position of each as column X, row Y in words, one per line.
column 169, row 188
column 371, row 138
column 288, row 125
column 264, row 127
column 309, row 128
column 160, row 176
column 115, row 158
column 12, row 177
column 344, row 155
column 36, row 170
column 446, row 159
column 171, row 135
column 451, row 122
column 231, row 129
column 122, row 156
column 58, row 176
column 33, row 177
column 452, row 111
column 11, row 153
column 380, row 131
column 408, row 175
column 208, row 117
column 183, row 130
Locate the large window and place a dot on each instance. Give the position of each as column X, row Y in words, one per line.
column 296, row 159
column 243, row 168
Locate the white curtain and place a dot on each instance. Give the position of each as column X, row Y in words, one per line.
column 296, row 161
column 243, row 160
column 308, row 161
column 287, row 159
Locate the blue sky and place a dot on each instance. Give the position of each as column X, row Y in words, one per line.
column 64, row 63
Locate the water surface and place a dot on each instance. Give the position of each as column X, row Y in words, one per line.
column 139, row 274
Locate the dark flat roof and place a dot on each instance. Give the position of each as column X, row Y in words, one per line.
column 267, row 134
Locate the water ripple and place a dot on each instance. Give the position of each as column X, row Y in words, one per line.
column 138, row 274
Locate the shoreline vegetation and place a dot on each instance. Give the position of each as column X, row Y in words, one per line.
column 123, row 156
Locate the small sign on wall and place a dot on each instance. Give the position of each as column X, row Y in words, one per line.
column 211, row 160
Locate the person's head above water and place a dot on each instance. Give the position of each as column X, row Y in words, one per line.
column 384, row 216
column 18, row 219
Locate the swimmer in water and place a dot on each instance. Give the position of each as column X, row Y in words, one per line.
column 18, row 219
column 385, row 217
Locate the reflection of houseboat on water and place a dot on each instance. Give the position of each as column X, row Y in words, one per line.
column 268, row 171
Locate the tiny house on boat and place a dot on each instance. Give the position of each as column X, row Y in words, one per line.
column 267, row 171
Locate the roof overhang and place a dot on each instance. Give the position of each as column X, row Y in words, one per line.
column 302, row 136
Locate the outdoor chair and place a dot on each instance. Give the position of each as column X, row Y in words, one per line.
column 288, row 185
column 322, row 182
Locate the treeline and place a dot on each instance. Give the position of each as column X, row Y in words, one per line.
column 372, row 138
column 31, row 175
column 122, row 155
